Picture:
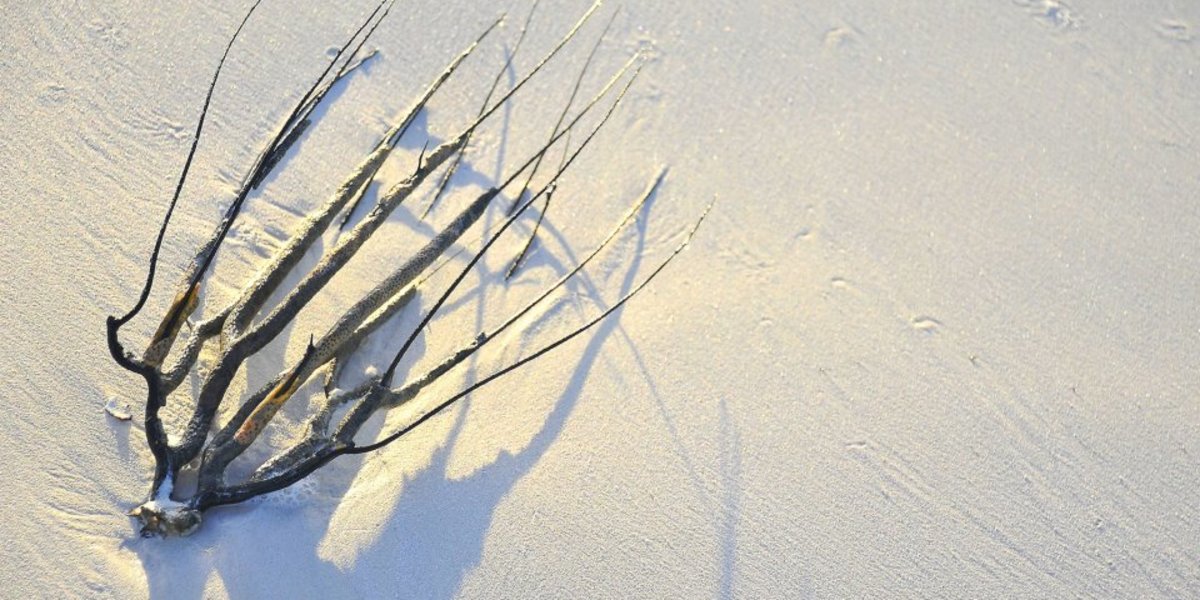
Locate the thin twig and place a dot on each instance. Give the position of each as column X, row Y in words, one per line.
column 490, row 378
column 449, row 174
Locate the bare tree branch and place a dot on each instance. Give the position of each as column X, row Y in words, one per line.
column 248, row 324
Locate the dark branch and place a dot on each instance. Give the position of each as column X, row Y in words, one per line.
column 507, row 223
column 490, row 378
column 213, row 390
column 187, row 165
column 453, row 168
column 420, row 106
column 358, row 416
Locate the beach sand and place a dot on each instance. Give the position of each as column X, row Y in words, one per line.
column 938, row 337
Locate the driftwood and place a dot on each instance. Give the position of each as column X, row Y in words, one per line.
column 244, row 327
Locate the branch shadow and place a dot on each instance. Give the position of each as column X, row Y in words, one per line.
column 726, row 508
column 440, row 524
column 731, row 499
column 433, row 538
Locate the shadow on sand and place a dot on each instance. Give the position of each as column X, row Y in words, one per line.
column 431, row 540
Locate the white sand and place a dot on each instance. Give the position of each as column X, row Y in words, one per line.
column 938, row 339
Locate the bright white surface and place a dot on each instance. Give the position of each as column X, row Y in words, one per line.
column 938, row 339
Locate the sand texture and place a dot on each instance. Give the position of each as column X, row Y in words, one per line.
column 938, row 337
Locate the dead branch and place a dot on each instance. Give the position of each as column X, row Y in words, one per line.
column 248, row 324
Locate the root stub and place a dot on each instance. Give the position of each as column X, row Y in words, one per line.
column 158, row 519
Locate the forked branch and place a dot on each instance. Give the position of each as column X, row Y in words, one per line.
column 249, row 323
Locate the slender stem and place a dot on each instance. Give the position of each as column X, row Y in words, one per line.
column 460, row 395
column 156, row 436
column 257, row 293
column 375, row 394
column 507, row 223
column 449, row 174
column 227, row 444
column 396, row 397
column 429, row 92
column 566, row 108
column 187, row 165
column 246, row 327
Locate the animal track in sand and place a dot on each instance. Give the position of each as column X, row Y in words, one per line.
column 839, row 37
column 1052, row 13
column 841, row 283
column 1175, row 30
column 109, row 34
column 843, row 40
column 925, row 324
column 52, row 94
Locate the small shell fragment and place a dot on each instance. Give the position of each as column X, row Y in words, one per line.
column 118, row 409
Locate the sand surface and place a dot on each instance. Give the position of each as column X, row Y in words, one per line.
column 938, row 338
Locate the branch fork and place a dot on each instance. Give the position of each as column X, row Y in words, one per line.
column 247, row 325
